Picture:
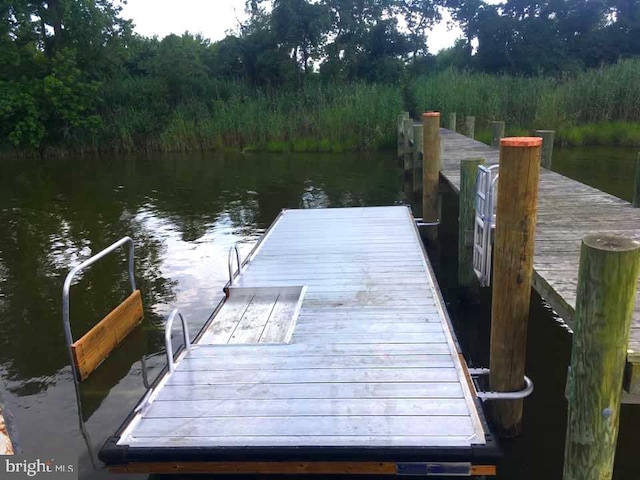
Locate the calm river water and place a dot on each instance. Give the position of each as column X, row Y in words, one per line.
column 184, row 212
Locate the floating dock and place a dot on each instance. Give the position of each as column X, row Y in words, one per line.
column 332, row 354
column 567, row 211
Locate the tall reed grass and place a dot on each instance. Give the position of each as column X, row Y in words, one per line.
column 600, row 106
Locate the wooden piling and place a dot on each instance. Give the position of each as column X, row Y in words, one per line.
column 409, row 144
column 470, row 126
column 512, row 274
column 548, row 137
column 400, row 122
column 417, row 159
column 452, row 121
column 466, row 220
column 606, row 293
column 497, row 133
column 636, row 192
column 431, row 172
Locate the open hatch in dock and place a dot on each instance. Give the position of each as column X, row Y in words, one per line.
column 333, row 353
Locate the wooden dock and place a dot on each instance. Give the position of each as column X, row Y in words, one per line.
column 567, row 211
column 333, row 353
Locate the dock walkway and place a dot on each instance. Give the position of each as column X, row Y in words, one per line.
column 567, row 211
column 364, row 369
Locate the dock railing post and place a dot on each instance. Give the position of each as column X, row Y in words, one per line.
column 606, row 293
column 417, row 159
column 452, row 121
column 409, row 146
column 431, row 172
column 466, row 219
column 470, row 126
column 548, row 137
column 512, row 274
column 497, row 133
column 636, row 192
column 400, row 121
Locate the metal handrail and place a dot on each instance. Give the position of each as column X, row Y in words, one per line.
column 229, row 259
column 67, row 288
column 167, row 337
column 517, row 395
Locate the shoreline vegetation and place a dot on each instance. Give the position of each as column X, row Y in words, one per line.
column 313, row 76
column 595, row 107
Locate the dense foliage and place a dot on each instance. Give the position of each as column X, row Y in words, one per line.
column 75, row 76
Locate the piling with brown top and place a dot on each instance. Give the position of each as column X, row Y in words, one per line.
column 512, row 274
column 606, row 293
column 431, row 172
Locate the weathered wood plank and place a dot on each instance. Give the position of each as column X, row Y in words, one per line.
column 96, row 345
column 441, row 383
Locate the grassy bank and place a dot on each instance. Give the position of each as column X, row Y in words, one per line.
column 596, row 107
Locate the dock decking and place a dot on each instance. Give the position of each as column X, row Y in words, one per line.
column 567, row 211
column 364, row 367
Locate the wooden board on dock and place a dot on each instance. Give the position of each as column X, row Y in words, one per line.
column 567, row 211
column 372, row 365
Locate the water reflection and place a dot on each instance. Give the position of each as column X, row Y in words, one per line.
column 183, row 212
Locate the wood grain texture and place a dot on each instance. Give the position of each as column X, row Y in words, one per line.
column 418, row 134
column 546, row 156
column 409, row 147
column 609, row 268
column 470, row 126
column 512, row 279
column 453, row 122
column 431, row 173
column 96, row 345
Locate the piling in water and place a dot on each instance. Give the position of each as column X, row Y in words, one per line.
column 400, row 122
column 431, row 172
column 497, row 133
column 470, row 126
column 636, row 192
column 409, row 145
column 548, row 137
column 452, row 121
column 606, row 293
column 512, row 275
column 417, row 159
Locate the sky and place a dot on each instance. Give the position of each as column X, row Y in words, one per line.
column 213, row 18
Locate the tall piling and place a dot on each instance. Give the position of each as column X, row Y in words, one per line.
column 512, row 274
column 470, row 126
column 548, row 137
column 431, row 172
column 497, row 133
column 607, row 281
column 636, row 191
column 400, row 123
column 417, row 159
column 409, row 145
column 452, row 121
